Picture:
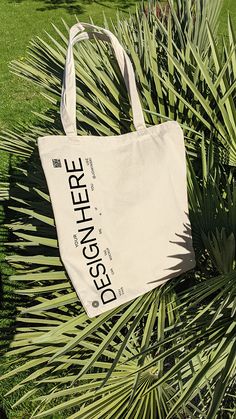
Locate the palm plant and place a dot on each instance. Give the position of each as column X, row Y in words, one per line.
column 170, row 353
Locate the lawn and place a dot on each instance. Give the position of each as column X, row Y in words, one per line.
column 23, row 19
column 20, row 21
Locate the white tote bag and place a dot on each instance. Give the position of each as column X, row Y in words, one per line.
column 120, row 202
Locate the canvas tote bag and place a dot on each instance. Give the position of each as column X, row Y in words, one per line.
column 120, row 202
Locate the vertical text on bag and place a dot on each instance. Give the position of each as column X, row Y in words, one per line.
column 85, row 228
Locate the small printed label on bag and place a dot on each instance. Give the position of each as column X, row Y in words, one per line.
column 107, row 252
column 89, row 163
column 56, row 163
column 76, row 241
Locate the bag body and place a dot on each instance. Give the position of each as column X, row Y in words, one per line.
column 119, row 202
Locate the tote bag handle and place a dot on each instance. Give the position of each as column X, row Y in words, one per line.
column 68, row 94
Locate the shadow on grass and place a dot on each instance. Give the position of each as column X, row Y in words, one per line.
column 75, row 6
column 71, row 6
column 117, row 4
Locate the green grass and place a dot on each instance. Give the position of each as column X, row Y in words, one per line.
column 228, row 5
column 20, row 21
column 23, row 19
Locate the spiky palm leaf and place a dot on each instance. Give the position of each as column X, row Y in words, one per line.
column 166, row 353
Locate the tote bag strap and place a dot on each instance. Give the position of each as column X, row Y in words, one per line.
column 68, row 95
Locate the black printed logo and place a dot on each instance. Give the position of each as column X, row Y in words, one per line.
column 56, row 163
column 86, row 233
